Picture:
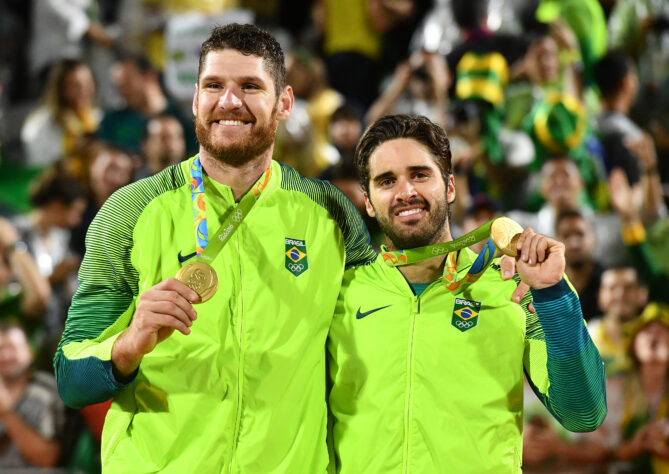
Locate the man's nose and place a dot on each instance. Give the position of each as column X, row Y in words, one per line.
column 406, row 190
column 229, row 100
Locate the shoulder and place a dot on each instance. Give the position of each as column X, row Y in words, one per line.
column 122, row 210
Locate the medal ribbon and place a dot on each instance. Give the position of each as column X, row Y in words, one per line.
column 232, row 219
column 451, row 282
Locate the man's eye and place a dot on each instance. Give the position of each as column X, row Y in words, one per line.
column 251, row 87
column 385, row 182
column 213, row 85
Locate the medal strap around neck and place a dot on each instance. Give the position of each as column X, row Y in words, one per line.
column 407, row 257
column 232, row 219
column 484, row 258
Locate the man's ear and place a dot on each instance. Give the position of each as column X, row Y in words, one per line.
column 450, row 189
column 368, row 205
column 195, row 101
column 285, row 105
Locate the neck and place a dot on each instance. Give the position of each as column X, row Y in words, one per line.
column 652, row 376
column 15, row 386
column 240, row 177
column 428, row 270
column 41, row 221
column 617, row 104
column 579, row 273
column 612, row 328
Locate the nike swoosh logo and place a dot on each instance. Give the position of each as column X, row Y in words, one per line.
column 367, row 313
column 183, row 258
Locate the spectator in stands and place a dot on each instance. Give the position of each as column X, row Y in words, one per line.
column 626, row 145
column 67, row 113
column 24, row 291
column 647, row 250
column 584, row 272
column 139, row 85
column 561, row 186
column 31, row 412
column 59, row 30
column 352, row 41
column 644, row 424
column 302, row 140
column 419, row 86
column 59, row 202
column 163, row 145
column 109, row 168
column 621, row 299
column 345, row 129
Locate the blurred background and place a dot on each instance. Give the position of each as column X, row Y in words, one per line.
column 558, row 116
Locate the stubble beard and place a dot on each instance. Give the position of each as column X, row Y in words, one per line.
column 253, row 146
column 428, row 234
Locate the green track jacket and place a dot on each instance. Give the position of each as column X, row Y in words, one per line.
column 245, row 391
column 434, row 384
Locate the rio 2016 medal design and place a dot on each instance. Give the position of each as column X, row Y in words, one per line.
column 199, row 277
column 504, row 233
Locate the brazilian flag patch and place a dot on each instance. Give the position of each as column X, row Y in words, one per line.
column 465, row 314
column 296, row 256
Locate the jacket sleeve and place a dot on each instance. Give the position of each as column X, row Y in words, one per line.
column 102, row 306
column 562, row 364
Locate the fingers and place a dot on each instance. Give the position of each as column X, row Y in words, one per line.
column 520, row 292
column 534, row 248
column 178, row 286
column 508, row 266
column 167, row 304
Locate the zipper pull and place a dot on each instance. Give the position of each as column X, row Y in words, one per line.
column 416, row 305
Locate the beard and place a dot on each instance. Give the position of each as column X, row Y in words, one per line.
column 254, row 145
column 418, row 235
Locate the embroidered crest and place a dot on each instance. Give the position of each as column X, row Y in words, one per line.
column 296, row 256
column 465, row 314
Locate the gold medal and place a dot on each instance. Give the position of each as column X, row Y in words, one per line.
column 504, row 233
column 199, row 277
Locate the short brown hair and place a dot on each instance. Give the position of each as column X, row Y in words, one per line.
column 248, row 40
column 391, row 127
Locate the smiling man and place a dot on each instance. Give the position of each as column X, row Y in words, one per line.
column 426, row 359
column 221, row 369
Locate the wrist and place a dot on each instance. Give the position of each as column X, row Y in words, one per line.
column 17, row 246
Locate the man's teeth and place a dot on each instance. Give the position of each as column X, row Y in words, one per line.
column 230, row 122
column 409, row 212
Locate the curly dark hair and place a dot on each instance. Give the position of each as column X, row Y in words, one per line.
column 391, row 127
column 248, row 40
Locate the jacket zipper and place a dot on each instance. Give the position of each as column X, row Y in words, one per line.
column 240, row 359
column 415, row 309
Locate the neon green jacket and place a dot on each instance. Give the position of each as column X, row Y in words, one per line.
column 434, row 384
column 245, row 391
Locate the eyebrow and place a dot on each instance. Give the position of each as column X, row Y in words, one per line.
column 387, row 174
column 241, row 79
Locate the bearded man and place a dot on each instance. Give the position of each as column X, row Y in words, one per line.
column 208, row 289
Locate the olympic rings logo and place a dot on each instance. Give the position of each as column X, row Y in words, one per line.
column 237, row 216
column 438, row 250
column 296, row 267
column 464, row 324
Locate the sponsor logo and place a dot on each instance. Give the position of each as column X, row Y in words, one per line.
column 465, row 314
column 183, row 258
column 296, row 260
column 360, row 315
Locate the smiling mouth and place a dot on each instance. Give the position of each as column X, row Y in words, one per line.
column 410, row 212
column 232, row 122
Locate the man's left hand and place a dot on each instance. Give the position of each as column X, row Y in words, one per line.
column 508, row 266
column 540, row 261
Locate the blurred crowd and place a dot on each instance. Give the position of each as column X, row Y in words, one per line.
column 557, row 113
